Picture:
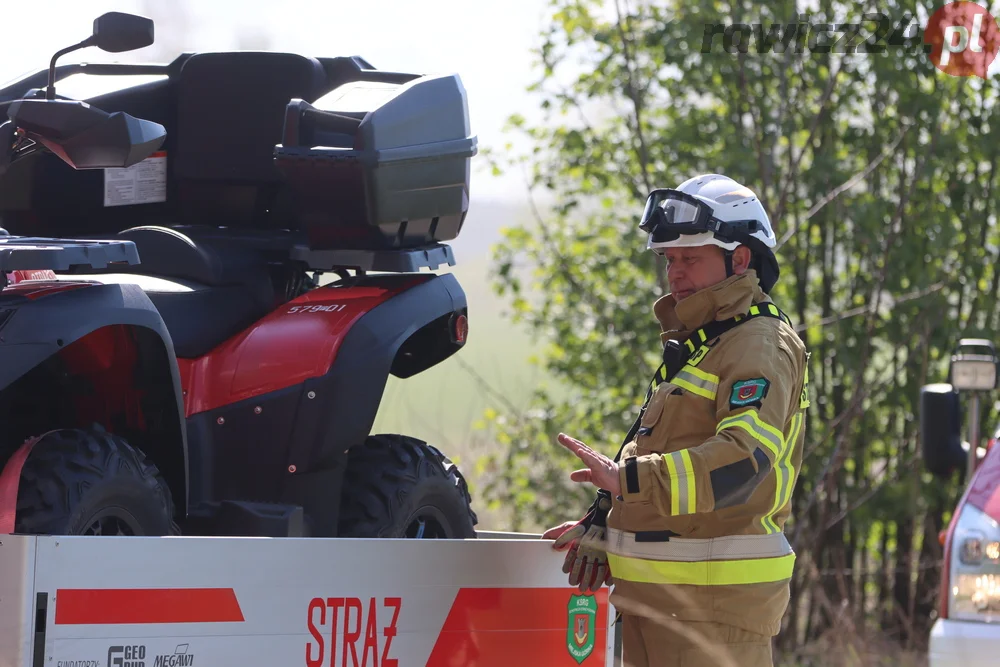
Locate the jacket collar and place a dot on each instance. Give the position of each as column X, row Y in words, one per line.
column 733, row 296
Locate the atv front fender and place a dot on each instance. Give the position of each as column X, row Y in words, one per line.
column 37, row 326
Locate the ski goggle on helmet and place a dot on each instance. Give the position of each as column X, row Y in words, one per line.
column 670, row 213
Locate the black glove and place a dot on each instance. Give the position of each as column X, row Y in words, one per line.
column 587, row 561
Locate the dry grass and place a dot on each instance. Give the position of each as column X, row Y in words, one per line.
column 847, row 650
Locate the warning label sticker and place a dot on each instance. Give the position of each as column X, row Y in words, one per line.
column 142, row 183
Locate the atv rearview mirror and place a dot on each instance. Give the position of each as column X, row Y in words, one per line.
column 114, row 32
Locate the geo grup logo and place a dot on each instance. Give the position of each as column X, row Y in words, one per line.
column 964, row 39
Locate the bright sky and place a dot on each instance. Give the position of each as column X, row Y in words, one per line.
column 487, row 43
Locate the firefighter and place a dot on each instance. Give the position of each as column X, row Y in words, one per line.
column 688, row 520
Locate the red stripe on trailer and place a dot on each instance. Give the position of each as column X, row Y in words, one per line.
column 497, row 627
column 119, row 606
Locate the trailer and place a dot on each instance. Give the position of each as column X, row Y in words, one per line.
column 500, row 599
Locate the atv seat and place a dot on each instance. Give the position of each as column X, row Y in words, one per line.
column 206, row 293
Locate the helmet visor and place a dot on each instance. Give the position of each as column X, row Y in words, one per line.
column 669, row 213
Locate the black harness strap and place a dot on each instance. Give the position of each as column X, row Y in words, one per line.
column 676, row 354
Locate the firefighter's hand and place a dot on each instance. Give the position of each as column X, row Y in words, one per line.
column 586, row 561
column 557, row 531
column 601, row 471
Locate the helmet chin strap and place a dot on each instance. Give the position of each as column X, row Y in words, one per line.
column 727, row 256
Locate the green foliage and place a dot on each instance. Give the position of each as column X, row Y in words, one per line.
column 878, row 172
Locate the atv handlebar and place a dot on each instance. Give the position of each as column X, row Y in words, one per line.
column 26, row 86
column 81, row 135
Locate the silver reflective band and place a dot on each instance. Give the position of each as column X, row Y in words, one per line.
column 730, row 547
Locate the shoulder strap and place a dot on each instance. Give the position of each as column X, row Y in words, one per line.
column 676, row 355
column 716, row 329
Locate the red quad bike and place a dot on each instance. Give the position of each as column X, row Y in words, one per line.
column 170, row 361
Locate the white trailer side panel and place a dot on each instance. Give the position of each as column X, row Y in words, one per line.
column 17, row 559
column 263, row 602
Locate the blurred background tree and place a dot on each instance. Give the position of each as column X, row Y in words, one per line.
column 878, row 173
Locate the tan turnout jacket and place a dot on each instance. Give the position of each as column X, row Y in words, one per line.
column 707, row 481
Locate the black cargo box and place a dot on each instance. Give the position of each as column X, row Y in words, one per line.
column 380, row 165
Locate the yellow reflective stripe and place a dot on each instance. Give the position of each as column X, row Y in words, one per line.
column 698, row 356
column 773, row 310
column 785, row 475
column 771, row 438
column 702, row 336
column 702, row 573
column 689, row 344
column 661, row 372
column 804, row 401
column 761, row 431
column 702, row 375
column 675, row 501
column 793, row 437
column 692, row 486
column 695, row 384
column 754, row 310
column 682, row 483
column 693, row 388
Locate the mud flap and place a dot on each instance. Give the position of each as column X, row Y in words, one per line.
column 10, row 480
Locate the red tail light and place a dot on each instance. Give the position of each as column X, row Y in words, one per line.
column 460, row 330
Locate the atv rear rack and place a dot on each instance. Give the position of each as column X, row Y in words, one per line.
column 33, row 253
column 36, row 253
column 403, row 260
column 294, row 246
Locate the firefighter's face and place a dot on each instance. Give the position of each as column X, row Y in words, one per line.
column 692, row 269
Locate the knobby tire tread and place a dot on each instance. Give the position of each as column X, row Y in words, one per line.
column 64, row 464
column 381, row 474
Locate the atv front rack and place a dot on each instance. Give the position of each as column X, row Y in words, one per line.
column 35, row 253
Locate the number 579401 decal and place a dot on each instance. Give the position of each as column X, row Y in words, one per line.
column 318, row 308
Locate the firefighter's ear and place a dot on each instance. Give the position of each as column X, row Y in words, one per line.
column 741, row 259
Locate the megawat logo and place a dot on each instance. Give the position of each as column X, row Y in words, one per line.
column 179, row 658
column 964, row 39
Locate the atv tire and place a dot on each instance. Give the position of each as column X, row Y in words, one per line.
column 399, row 487
column 90, row 482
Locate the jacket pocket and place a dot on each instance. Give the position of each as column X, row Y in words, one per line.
column 652, row 436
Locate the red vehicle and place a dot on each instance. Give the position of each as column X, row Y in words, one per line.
column 967, row 630
column 171, row 359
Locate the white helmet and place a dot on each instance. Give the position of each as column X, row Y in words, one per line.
column 712, row 209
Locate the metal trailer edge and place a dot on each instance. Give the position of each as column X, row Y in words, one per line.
column 181, row 601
